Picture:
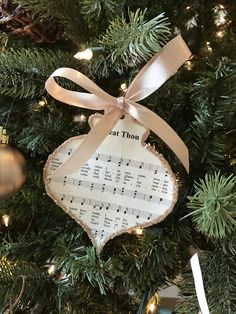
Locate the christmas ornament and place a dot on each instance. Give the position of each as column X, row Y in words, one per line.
column 13, row 168
column 126, row 184
column 107, row 180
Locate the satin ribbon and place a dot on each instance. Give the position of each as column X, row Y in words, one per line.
column 198, row 282
column 150, row 78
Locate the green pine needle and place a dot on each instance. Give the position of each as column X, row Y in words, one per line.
column 214, row 205
column 129, row 43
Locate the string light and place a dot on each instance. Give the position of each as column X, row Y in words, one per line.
column 40, row 104
column 208, row 46
column 152, row 307
column 84, row 55
column 153, row 303
column 124, row 87
column 6, row 220
column 220, row 15
column 220, row 34
column 51, row 269
column 189, row 65
column 79, row 118
column 139, row 231
column 188, row 7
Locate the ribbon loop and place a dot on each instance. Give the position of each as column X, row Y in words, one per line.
column 149, row 79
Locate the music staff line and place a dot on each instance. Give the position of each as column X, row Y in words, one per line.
column 113, row 190
column 96, row 204
column 122, row 161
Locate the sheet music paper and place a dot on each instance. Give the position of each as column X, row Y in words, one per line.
column 122, row 186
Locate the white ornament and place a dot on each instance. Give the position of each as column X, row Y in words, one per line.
column 126, row 184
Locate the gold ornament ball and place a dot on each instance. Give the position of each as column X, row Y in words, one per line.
column 13, row 170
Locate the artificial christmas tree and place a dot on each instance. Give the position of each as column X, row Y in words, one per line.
column 48, row 264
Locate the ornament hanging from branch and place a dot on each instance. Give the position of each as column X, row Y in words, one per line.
column 110, row 181
column 13, row 167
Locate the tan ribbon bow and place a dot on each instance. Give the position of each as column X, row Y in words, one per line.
column 149, row 79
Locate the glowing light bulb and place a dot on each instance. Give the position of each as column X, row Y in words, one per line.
column 79, row 118
column 51, row 269
column 123, row 87
column 220, row 34
column 84, row 55
column 189, row 65
column 139, row 231
column 152, row 307
column 222, row 20
column 209, row 49
column 6, row 220
column 188, row 7
column 42, row 103
column 220, row 15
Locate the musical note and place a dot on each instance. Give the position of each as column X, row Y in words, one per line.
column 141, row 166
column 103, row 187
column 120, row 162
column 98, row 156
column 109, row 159
column 65, row 179
column 149, row 217
column 91, row 187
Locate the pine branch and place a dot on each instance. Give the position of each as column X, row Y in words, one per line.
column 66, row 11
column 23, row 72
column 11, row 274
column 213, row 98
column 219, row 273
column 213, row 205
column 129, row 43
column 82, row 264
column 93, row 10
column 45, row 133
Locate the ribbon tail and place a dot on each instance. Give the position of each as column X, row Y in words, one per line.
column 90, row 144
column 161, row 129
column 198, row 282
